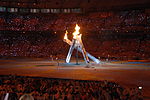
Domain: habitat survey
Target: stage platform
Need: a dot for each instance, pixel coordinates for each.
(126, 73)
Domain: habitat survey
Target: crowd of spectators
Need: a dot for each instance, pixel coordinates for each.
(48, 45)
(64, 89)
(121, 48)
(115, 34)
(120, 21)
(31, 45)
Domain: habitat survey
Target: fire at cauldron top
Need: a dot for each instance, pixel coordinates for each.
(76, 33)
(77, 44)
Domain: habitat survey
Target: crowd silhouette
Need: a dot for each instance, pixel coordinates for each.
(64, 89)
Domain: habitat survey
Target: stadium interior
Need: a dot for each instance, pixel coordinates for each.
(113, 31)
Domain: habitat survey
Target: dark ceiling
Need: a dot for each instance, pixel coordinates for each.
(75, 3)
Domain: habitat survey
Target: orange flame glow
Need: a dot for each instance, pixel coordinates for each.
(66, 37)
(76, 33)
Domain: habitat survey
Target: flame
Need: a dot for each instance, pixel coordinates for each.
(66, 37)
(76, 33)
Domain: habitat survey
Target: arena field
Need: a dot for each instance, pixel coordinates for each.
(127, 73)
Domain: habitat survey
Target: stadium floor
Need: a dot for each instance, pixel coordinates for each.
(126, 73)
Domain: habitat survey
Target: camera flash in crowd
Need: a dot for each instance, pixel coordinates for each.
(140, 87)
